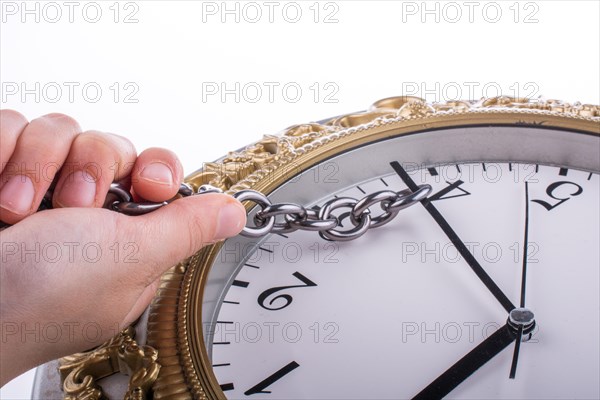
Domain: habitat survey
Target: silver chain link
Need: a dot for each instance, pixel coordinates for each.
(281, 218)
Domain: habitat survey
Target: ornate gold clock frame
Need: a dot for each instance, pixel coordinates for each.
(175, 363)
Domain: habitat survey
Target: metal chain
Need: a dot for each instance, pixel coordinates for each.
(281, 218)
(321, 219)
(284, 218)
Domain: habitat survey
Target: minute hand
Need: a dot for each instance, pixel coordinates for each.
(458, 243)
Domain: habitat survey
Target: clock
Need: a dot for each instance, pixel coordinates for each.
(485, 287)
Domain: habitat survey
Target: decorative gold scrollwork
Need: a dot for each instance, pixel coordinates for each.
(237, 166)
(80, 372)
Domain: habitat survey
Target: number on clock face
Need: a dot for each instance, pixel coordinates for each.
(306, 318)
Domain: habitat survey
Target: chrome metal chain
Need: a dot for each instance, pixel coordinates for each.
(284, 218)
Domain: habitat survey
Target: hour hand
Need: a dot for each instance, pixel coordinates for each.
(470, 363)
(260, 387)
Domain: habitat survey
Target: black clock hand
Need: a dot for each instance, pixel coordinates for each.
(525, 246)
(458, 243)
(470, 363)
(513, 367)
(260, 387)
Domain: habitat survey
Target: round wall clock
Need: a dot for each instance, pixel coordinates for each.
(413, 250)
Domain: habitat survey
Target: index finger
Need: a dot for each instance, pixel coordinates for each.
(12, 124)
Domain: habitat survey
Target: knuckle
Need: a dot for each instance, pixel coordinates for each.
(52, 132)
(63, 121)
(127, 146)
(116, 151)
(93, 144)
(8, 116)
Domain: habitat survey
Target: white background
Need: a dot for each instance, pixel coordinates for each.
(166, 55)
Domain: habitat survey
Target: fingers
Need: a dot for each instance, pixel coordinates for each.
(177, 231)
(11, 125)
(32, 154)
(157, 174)
(95, 160)
(39, 153)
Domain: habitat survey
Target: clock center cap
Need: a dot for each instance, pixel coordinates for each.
(522, 317)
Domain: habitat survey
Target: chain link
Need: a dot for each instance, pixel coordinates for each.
(281, 218)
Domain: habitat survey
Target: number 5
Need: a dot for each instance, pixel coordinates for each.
(550, 192)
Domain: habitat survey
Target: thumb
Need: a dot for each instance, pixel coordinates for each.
(178, 230)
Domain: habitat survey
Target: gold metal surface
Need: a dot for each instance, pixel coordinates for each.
(175, 327)
(79, 372)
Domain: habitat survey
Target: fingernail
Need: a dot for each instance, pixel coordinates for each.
(231, 220)
(157, 173)
(17, 195)
(79, 190)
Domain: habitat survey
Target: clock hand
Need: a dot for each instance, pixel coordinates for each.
(458, 243)
(470, 363)
(525, 246)
(513, 367)
(260, 387)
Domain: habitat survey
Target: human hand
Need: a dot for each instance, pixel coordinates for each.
(73, 276)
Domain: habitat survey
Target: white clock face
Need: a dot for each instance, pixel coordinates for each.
(385, 315)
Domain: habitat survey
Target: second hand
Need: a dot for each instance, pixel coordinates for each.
(522, 318)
